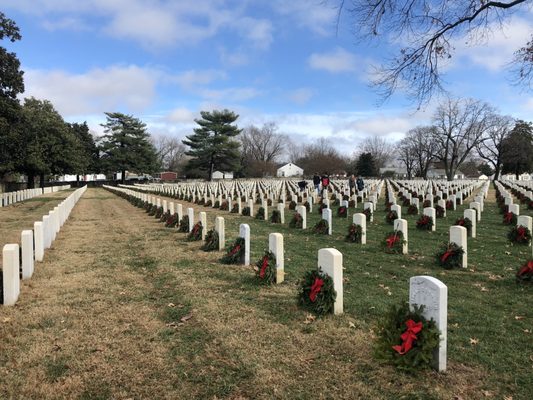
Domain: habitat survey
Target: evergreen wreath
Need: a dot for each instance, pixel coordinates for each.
(224, 206)
(234, 253)
(525, 273)
(321, 227)
(352, 204)
(235, 209)
(316, 292)
(260, 213)
(412, 210)
(342, 212)
(390, 217)
(171, 221)
(152, 210)
(426, 203)
(269, 202)
(449, 205)
(147, 206)
(368, 214)
(336, 202)
(275, 218)
(184, 224)
(509, 218)
(246, 211)
(292, 205)
(519, 234)
(411, 349)
(164, 217)
(465, 222)
(296, 221)
(211, 241)
(394, 242)
(355, 233)
(388, 205)
(425, 222)
(217, 204)
(307, 206)
(530, 205)
(208, 203)
(200, 202)
(196, 232)
(158, 212)
(265, 268)
(406, 202)
(439, 211)
(450, 256)
(323, 206)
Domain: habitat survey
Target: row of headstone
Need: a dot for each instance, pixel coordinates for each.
(26, 194)
(32, 246)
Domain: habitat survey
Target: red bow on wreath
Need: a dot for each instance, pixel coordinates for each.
(461, 222)
(263, 267)
(526, 269)
(391, 241)
(508, 217)
(521, 233)
(409, 336)
(315, 289)
(445, 256)
(235, 250)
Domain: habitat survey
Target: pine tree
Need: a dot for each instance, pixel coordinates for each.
(518, 149)
(212, 145)
(366, 165)
(126, 146)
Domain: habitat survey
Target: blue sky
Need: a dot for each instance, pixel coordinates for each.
(281, 61)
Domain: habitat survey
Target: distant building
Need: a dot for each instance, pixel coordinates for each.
(83, 178)
(483, 177)
(222, 175)
(437, 173)
(397, 172)
(168, 176)
(289, 170)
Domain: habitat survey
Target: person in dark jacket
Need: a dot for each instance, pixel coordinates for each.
(316, 182)
(360, 183)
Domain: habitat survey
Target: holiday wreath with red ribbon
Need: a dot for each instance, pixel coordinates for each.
(275, 218)
(265, 268)
(406, 339)
(321, 227)
(184, 224)
(211, 241)
(355, 233)
(450, 256)
(412, 210)
(171, 221)
(440, 211)
(519, 234)
(316, 292)
(368, 214)
(195, 233)
(296, 221)
(342, 212)
(390, 217)
(234, 253)
(425, 222)
(394, 242)
(465, 222)
(525, 272)
(509, 218)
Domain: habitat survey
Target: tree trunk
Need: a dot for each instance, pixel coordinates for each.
(41, 177)
(31, 181)
(77, 180)
(497, 172)
(123, 177)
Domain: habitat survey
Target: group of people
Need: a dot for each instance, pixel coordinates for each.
(322, 182)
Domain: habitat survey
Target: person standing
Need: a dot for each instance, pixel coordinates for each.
(325, 181)
(316, 182)
(360, 183)
(351, 184)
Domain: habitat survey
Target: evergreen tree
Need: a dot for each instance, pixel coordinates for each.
(126, 146)
(88, 154)
(366, 166)
(212, 145)
(518, 149)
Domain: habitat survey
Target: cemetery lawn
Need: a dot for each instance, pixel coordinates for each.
(123, 308)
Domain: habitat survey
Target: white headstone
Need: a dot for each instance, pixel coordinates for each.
(275, 245)
(330, 261)
(369, 205)
(38, 234)
(26, 240)
(203, 221)
(360, 219)
(190, 213)
(433, 295)
(219, 228)
(398, 209)
(10, 271)
(514, 208)
(471, 215)
(281, 209)
(401, 225)
(458, 236)
(326, 214)
(303, 212)
(476, 206)
(244, 232)
(251, 207)
(526, 221)
(431, 212)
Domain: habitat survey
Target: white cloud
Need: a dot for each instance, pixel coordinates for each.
(180, 115)
(236, 58)
(128, 88)
(314, 15)
(301, 96)
(230, 94)
(338, 60)
(192, 78)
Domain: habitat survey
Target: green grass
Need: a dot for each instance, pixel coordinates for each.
(485, 303)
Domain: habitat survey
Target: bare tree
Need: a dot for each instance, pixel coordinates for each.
(380, 149)
(322, 157)
(423, 147)
(460, 127)
(261, 148)
(171, 152)
(407, 156)
(428, 28)
(492, 148)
